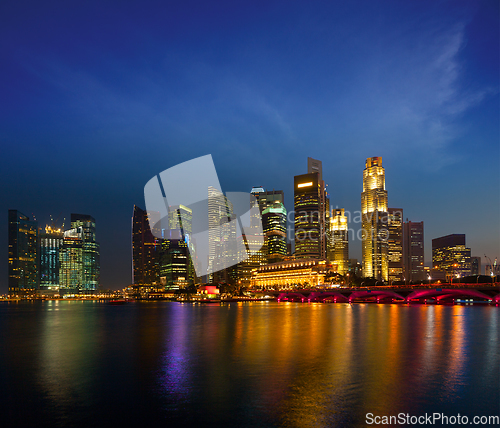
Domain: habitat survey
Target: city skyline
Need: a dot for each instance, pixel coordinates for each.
(85, 125)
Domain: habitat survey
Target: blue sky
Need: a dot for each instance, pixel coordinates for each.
(97, 97)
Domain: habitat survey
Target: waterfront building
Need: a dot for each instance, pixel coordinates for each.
(395, 244)
(90, 251)
(449, 254)
(222, 250)
(71, 262)
(175, 266)
(22, 256)
(413, 251)
(310, 202)
(338, 242)
(291, 274)
(145, 248)
(374, 221)
(274, 228)
(51, 242)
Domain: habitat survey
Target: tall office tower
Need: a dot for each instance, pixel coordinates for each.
(475, 265)
(176, 268)
(310, 213)
(50, 244)
(90, 251)
(23, 261)
(222, 248)
(374, 221)
(274, 227)
(316, 166)
(145, 247)
(395, 244)
(450, 255)
(71, 261)
(339, 240)
(413, 251)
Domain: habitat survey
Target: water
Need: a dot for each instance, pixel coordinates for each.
(90, 364)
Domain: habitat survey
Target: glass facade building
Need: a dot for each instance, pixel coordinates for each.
(450, 255)
(274, 227)
(374, 221)
(22, 254)
(308, 217)
(90, 251)
(51, 242)
(145, 248)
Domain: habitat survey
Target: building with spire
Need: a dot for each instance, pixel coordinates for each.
(374, 221)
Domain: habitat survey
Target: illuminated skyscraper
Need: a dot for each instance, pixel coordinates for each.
(176, 268)
(222, 237)
(395, 244)
(413, 251)
(274, 227)
(339, 240)
(310, 204)
(91, 251)
(145, 248)
(374, 220)
(50, 244)
(71, 262)
(23, 261)
(450, 255)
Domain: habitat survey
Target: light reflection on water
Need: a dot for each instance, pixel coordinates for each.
(252, 364)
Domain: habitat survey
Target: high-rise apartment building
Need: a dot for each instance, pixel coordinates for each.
(338, 245)
(413, 251)
(23, 257)
(51, 242)
(450, 255)
(374, 221)
(145, 248)
(395, 244)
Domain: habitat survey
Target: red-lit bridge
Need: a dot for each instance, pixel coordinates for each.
(442, 293)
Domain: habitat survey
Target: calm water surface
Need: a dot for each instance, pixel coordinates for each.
(89, 364)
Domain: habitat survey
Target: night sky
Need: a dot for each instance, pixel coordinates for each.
(97, 97)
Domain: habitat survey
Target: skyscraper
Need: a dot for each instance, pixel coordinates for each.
(449, 254)
(395, 244)
(374, 221)
(71, 262)
(23, 260)
(339, 240)
(222, 237)
(413, 250)
(145, 248)
(274, 227)
(51, 242)
(176, 268)
(91, 277)
(310, 204)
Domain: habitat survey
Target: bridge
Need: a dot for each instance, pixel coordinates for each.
(434, 293)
